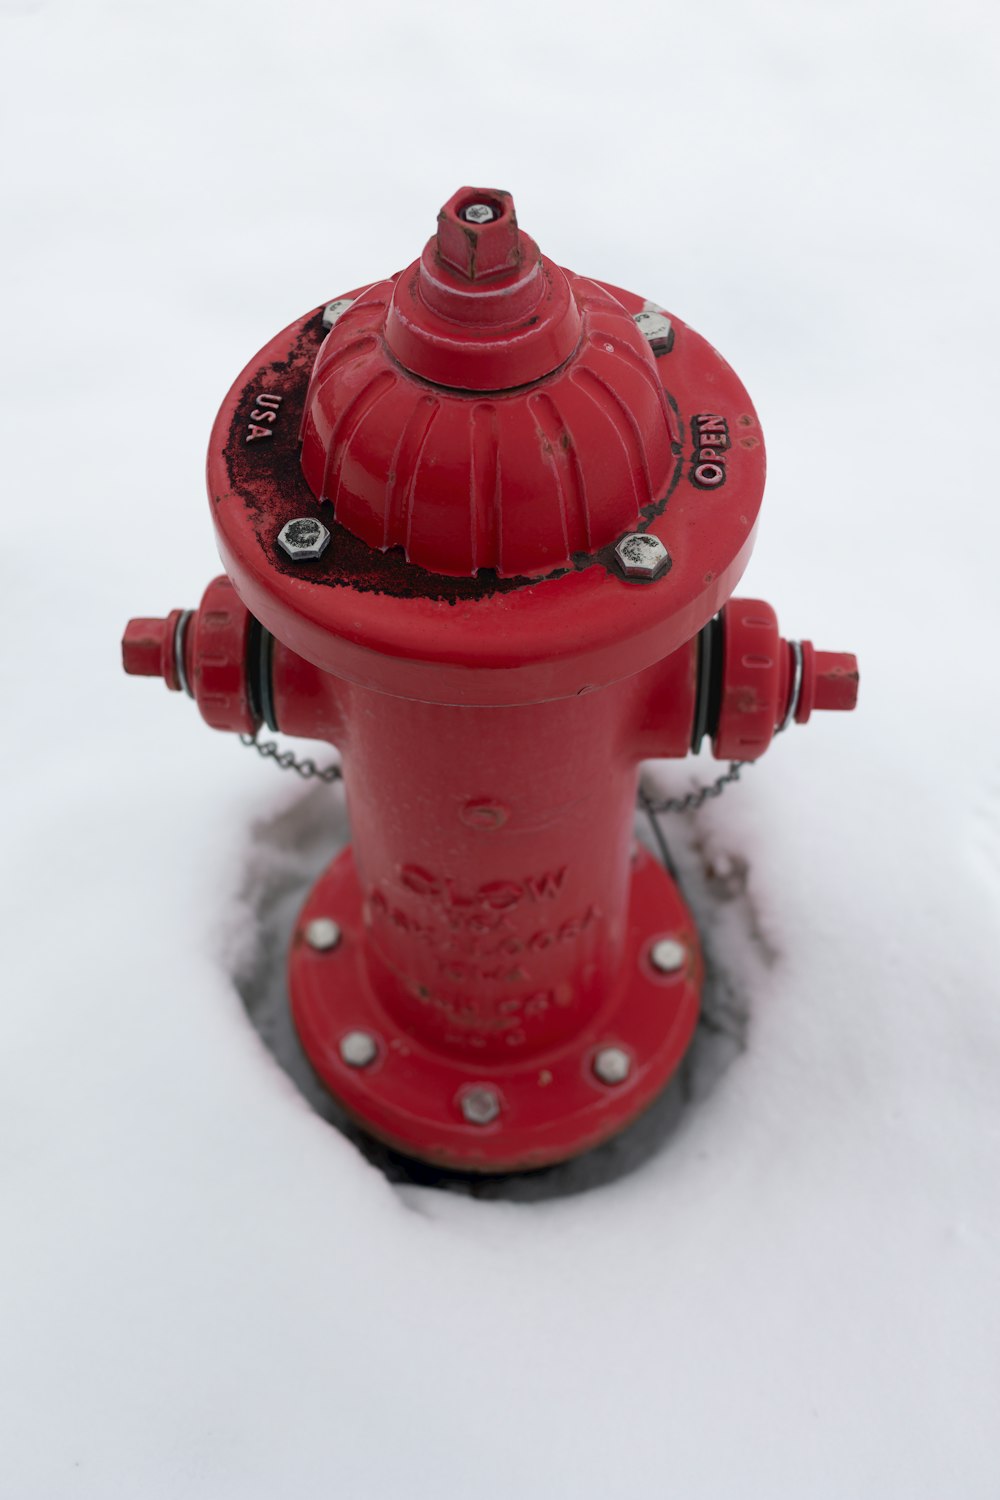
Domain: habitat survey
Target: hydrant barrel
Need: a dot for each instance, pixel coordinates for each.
(493, 847)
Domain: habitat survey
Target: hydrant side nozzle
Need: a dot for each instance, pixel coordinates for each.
(223, 655)
(215, 653)
(767, 682)
(751, 682)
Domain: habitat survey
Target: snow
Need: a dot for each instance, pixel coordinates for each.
(207, 1291)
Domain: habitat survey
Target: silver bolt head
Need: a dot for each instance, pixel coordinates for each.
(612, 1065)
(334, 310)
(641, 555)
(323, 933)
(480, 1105)
(479, 213)
(655, 327)
(358, 1049)
(303, 539)
(668, 955)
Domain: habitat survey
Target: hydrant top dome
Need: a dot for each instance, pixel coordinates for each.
(485, 408)
(485, 479)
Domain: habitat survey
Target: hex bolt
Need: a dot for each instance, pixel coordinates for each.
(667, 955)
(656, 328)
(641, 555)
(334, 310)
(358, 1049)
(323, 933)
(479, 213)
(612, 1065)
(303, 539)
(480, 1105)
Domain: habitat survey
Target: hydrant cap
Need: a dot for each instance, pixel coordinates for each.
(486, 409)
(482, 309)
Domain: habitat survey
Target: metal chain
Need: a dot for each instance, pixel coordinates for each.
(693, 800)
(287, 760)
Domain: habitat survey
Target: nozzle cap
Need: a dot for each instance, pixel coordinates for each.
(829, 681)
(148, 649)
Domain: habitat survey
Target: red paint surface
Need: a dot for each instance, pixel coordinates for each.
(491, 679)
(493, 847)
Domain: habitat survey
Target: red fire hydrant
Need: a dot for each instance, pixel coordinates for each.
(481, 522)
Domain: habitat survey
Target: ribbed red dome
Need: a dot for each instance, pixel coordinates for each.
(530, 424)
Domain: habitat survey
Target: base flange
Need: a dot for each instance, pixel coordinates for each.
(553, 1105)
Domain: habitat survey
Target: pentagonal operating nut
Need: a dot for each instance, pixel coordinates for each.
(640, 555)
(303, 539)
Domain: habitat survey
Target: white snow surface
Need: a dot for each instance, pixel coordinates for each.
(206, 1290)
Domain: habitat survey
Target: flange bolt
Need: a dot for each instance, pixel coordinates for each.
(334, 311)
(667, 955)
(640, 555)
(358, 1049)
(656, 329)
(323, 933)
(480, 1105)
(612, 1065)
(303, 539)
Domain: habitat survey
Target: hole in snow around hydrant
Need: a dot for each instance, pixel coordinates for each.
(288, 852)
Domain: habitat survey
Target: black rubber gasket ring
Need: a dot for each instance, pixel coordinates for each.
(715, 674)
(266, 680)
(260, 663)
(709, 682)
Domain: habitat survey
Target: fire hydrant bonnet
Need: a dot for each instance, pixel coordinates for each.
(440, 498)
(503, 414)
